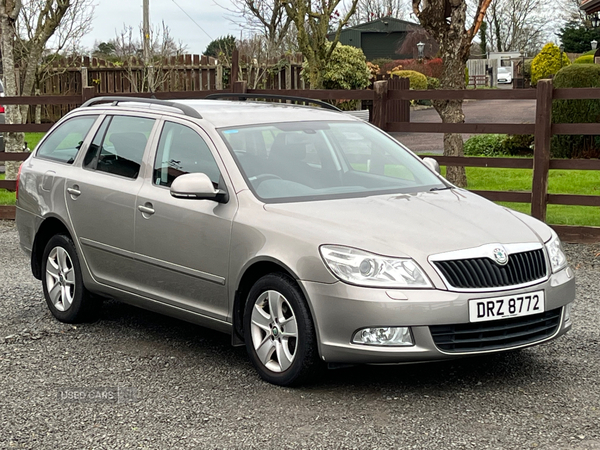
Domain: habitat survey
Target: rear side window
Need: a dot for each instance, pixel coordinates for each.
(119, 145)
(64, 142)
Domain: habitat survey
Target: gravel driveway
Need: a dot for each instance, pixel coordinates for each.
(152, 382)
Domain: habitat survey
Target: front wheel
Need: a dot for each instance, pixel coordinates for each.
(66, 296)
(279, 332)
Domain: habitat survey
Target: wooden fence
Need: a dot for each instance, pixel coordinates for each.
(175, 74)
(390, 112)
(541, 163)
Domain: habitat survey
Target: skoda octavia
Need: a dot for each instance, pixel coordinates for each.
(308, 235)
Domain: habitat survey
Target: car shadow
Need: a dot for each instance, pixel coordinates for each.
(147, 332)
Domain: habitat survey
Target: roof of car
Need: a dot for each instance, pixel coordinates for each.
(228, 113)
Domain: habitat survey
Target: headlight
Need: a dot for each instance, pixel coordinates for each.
(558, 260)
(367, 269)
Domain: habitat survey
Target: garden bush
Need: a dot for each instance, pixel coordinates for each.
(433, 83)
(485, 145)
(576, 111)
(518, 144)
(346, 69)
(417, 80)
(584, 59)
(382, 63)
(429, 67)
(548, 62)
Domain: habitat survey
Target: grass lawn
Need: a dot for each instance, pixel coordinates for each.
(6, 197)
(586, 182)
(32, 139)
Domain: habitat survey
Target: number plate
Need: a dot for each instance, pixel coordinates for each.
(496, 308)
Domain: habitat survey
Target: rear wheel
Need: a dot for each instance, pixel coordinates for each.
(66, 296)
(279, 332)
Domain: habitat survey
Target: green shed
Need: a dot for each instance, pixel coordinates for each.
(381, 38)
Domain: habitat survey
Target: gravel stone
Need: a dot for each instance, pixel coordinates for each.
(150, 382)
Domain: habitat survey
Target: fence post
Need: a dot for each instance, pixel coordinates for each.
(541, 154)
(239, 87)
(380, 89)
(219, 78)
(235, 67)
(87, 93)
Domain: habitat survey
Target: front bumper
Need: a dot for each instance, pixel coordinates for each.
(340, 310)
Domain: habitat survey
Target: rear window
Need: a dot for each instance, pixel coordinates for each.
(64, 142)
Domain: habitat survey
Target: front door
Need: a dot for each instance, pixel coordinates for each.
(182, 245)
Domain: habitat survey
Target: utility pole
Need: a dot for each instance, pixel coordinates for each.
(146, 50)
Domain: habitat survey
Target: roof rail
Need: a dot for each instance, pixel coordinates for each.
(244, 96)
(187, 110)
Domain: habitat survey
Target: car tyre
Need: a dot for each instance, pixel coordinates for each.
(66, 296)
(279, 332)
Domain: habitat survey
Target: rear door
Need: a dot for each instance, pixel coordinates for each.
(101, 197)
(182, 245)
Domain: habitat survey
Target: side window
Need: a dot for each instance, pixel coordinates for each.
(181, 150)
(64, 142)
(119, 145)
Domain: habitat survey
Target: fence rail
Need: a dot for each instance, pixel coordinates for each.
(390, 111)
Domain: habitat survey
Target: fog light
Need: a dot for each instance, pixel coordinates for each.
(384, 336)
(568, 314)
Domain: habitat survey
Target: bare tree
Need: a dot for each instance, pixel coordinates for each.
(272, 34)
(314, 20)
(265, 18)
(368, 10)
(572, 11)
(47, 18)
(519, 25)
(163, 49)
(446, 21)
(65, 41)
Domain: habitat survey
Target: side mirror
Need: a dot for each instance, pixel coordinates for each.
(433, 165)
(197, 186)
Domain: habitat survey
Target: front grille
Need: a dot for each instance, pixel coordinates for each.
(477, 273)
(495, 334)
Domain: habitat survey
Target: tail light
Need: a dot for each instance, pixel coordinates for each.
(1, 109)
(18, 179)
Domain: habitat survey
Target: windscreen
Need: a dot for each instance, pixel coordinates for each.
(313, 160)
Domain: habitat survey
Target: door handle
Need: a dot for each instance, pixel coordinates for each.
(74, 191)
(146, 209)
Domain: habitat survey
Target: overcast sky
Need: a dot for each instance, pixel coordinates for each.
(111, 15)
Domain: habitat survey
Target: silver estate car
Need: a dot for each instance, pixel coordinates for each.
(308, 235)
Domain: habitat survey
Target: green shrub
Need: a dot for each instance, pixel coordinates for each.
(548, 62)
(433, 83)
(527, 71)
(589, 52)
(585, 59)
(518, 144)
(485, 145)
(417, 80)
(576, 111)
(382, 62)
(346, 69)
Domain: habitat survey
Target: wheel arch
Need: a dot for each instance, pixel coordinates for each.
(51, 226)
(252, 273)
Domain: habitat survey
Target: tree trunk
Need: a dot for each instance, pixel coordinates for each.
(450, 111)
(13, 142)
